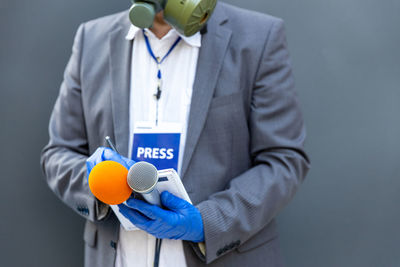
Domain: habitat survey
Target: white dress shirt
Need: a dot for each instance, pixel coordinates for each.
(136, 248)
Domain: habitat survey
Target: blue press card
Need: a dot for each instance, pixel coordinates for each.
(159, 149)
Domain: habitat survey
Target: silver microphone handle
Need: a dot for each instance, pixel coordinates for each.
(153, 197)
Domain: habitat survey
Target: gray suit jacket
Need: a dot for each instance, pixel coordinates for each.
(244, 157)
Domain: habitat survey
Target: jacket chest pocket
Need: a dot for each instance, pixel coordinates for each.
(226, 100)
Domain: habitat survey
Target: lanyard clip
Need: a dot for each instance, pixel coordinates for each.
(157, 95)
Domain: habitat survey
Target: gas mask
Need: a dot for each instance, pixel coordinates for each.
(186, 16)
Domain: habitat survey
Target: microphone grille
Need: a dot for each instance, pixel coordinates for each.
(142, 177)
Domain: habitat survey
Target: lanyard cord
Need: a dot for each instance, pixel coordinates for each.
(158, 61)
(157, 252)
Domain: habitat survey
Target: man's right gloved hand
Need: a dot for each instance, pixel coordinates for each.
(103, 154)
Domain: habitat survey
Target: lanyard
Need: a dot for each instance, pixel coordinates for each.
(159, 61)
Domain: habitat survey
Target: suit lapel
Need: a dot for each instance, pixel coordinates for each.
(120, 66)
(212, 52)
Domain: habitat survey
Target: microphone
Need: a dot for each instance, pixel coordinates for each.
(107, 181)
(143, 178)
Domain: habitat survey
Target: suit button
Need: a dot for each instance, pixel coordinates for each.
(113, 245)
(219, 252)
(83, 210)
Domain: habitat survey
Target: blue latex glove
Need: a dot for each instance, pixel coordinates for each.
(178, 220)
(103, 154)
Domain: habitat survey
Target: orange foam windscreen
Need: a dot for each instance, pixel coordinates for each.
(108, 182)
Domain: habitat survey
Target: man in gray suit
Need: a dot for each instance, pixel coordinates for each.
(243, 159)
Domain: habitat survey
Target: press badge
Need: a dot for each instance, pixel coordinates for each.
(158, 145)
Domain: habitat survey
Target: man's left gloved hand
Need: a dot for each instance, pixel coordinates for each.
(177, 220)
(104, 153)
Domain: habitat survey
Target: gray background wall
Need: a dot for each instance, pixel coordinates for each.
(347, 65)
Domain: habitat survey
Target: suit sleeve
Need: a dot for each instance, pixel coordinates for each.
(279, 163)
(63, 160)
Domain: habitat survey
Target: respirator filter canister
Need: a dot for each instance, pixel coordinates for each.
(186, 16)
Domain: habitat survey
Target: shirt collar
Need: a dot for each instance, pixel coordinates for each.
(194, 40)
